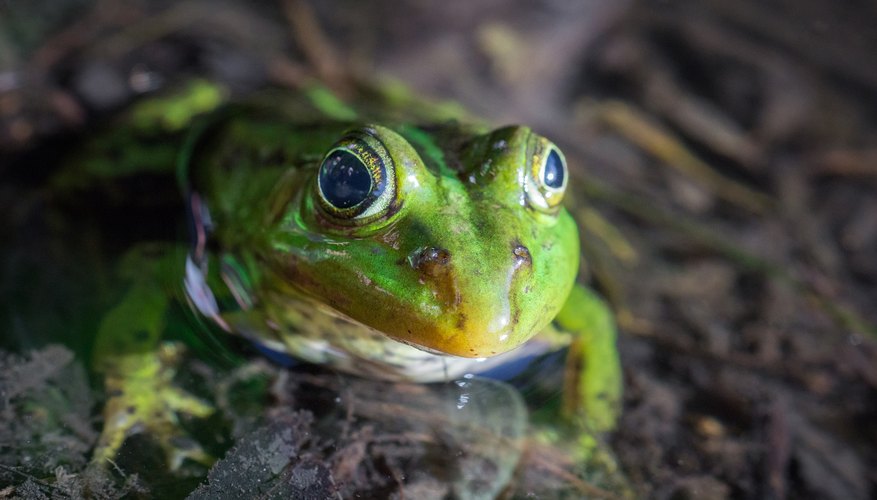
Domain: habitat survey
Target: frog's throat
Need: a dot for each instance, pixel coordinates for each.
(309, 330)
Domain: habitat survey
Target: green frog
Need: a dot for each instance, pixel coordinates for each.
(377, 242)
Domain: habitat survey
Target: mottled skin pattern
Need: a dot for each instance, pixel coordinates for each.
(467, 257)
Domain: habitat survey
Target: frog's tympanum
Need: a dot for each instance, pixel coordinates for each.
(399, 250)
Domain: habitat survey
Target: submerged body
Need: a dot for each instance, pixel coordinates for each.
(391, 250)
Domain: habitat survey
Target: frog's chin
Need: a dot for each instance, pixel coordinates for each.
(389, 338)
(428, 337)
(376, 355)
(426, 349)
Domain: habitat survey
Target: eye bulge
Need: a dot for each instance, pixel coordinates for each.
(356, 180)
(344, 179)
(548, 176)
(554, 173)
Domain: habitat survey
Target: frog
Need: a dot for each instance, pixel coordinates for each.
(378, 242)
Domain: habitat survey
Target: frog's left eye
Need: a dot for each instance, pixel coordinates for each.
(547, 177)
(356, 180)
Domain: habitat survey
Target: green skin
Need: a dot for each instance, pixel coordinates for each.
(468, 256)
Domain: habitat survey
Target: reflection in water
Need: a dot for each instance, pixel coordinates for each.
(418, 439)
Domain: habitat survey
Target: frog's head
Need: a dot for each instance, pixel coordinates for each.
(448, 241)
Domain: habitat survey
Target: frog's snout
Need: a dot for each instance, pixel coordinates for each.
(478, 300)
(435, 262)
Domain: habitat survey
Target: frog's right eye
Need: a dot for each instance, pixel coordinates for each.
(344, 180)
(356, 181)
(546, 181)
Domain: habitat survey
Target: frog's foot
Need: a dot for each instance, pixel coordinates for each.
(142, 398)
(579, 459)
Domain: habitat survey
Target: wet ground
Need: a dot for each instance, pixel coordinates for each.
(724, 163)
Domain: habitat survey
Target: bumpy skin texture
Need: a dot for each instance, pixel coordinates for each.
(459, 262)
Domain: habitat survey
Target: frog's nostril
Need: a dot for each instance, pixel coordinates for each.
(430, 261)
(522, 255)
(434, 266)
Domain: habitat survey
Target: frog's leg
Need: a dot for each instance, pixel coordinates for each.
(592, 390)
(592, 379)
(138, 371)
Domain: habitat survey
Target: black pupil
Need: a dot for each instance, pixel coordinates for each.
(344, 180)
(554, 171)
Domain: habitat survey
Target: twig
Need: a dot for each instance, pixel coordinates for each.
(32, 478)
(317, 49)
(660, 143)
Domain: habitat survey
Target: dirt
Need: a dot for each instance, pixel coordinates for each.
(724, 157)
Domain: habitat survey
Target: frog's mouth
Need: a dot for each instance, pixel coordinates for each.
(357, 348)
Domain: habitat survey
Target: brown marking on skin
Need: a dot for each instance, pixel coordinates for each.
(391, 239)
(394, 207)
(523, 267)
(522, 254)
(461, 321)
(432, 261)
(436, 271)
(516, 316)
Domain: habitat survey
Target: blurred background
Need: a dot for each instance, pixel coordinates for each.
(724, 159)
